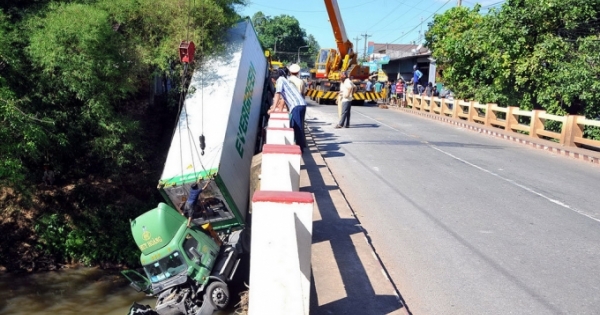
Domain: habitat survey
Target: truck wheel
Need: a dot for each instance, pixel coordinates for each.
(218, 294)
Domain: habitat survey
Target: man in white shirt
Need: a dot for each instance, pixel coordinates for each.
(295, 103)
(295, 79)
(347, 88)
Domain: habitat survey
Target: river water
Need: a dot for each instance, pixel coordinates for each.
(71, 291)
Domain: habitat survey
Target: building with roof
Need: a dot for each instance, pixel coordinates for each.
(402, 57)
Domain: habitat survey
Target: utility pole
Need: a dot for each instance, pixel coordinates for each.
(421, 30)
(357, 39)
(459, 3)
(365, 35)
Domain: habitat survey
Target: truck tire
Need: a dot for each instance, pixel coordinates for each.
(217, 295)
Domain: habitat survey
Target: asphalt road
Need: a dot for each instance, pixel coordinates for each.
(466, 223)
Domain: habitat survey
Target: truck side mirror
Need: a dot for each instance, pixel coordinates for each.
(135, 286)
(195, 253)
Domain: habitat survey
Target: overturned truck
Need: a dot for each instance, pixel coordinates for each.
(188, 268)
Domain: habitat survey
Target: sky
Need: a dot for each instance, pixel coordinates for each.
(384, 21)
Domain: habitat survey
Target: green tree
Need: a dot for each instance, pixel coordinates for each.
(451, 44)
(82, 67)
(75, 83)
(532, 54)
(282, 35)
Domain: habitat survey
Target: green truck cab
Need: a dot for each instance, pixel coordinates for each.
(184, 267)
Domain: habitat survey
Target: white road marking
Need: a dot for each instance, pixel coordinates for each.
(508, 180)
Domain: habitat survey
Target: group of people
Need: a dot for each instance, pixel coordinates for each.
(289, 97)
(397, 90)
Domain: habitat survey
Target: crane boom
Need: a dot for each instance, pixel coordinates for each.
(330, 63)
(344, 45)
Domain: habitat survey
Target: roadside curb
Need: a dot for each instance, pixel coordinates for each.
(549, 146)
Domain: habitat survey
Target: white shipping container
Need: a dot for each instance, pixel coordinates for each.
(225, 102)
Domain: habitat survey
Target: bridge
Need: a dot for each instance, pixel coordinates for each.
(432, 209)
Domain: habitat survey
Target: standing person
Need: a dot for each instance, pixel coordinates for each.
(388, 91)
(394, 98)
(189, 208)
(368, 89)
(400, 92)
(295, 102)
(295, 79)
(378, 87)
(416, 79)
(429, 89)
(347, 88)
(369, 85)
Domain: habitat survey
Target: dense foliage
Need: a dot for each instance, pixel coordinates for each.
(529, 53)
(283, 36)
(76, 96)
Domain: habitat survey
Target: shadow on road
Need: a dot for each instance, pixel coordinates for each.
(329, 149)
(354, 126)
(360, 296)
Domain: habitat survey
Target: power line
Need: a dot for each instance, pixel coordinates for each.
(414, 28)
(396, 18)
(383, 18)
(493, 4)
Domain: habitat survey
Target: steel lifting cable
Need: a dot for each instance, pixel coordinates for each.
(202, 139)
(191, 143)
(177, 118)
(190, 135)
(182, 104)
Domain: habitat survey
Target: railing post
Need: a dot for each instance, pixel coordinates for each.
(510, 117)
(536, 123)
(281, 167)
(284, 289)
(472, 111)
(571, 130)
(455, 108)
(490, 115)
(422, 103)
(443, 106)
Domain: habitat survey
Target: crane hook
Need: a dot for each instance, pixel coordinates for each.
(202, 144)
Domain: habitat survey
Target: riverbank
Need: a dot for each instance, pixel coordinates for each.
(85, 223)
(83, 219)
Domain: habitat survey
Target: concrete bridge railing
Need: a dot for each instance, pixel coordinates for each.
(510, 119)
(280, 268)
